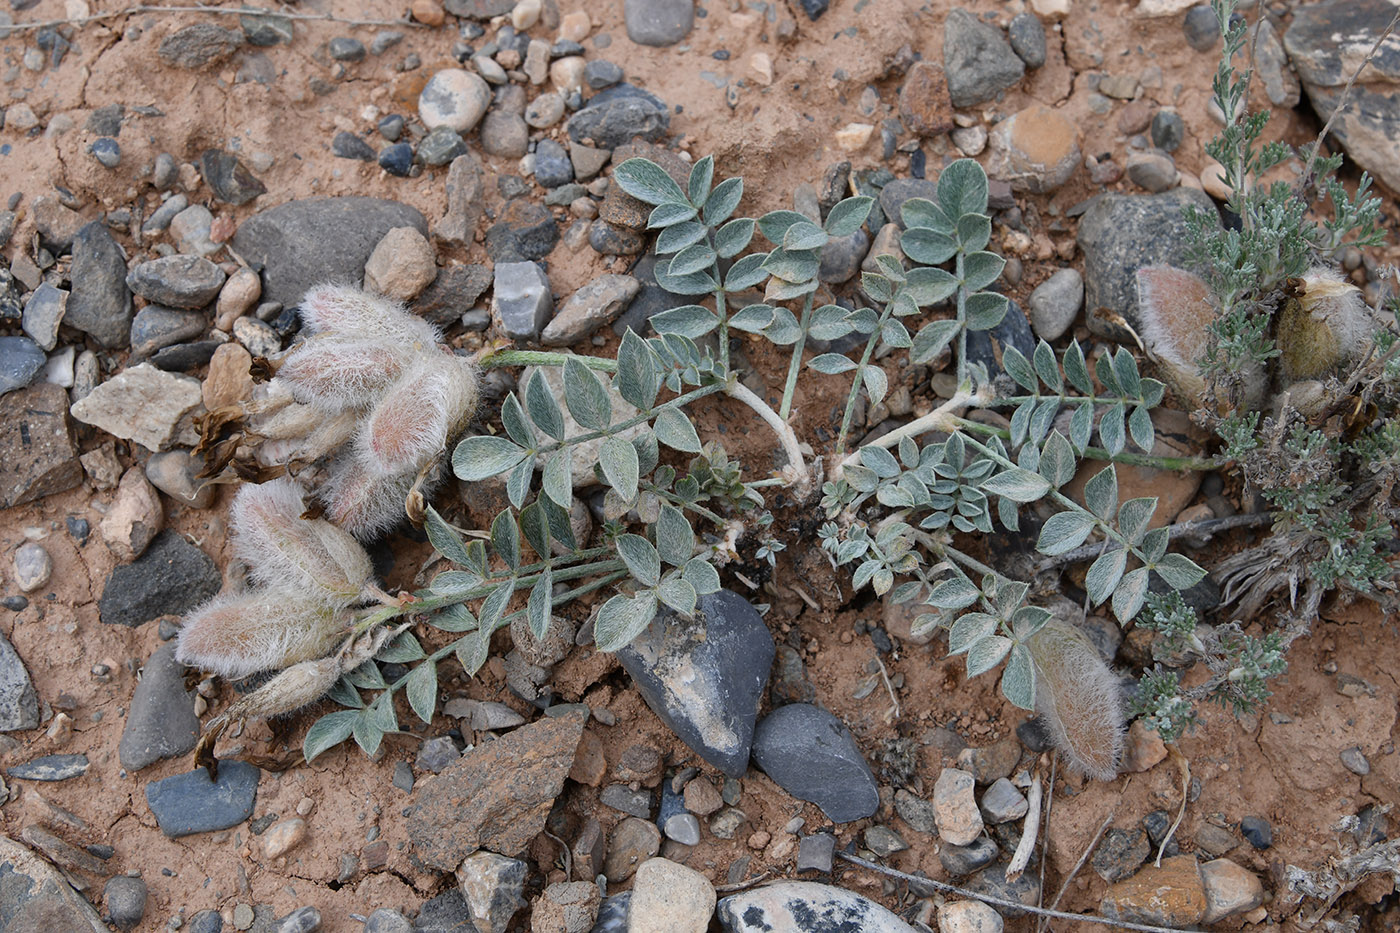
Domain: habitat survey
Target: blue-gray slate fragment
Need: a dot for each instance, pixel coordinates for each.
(35, 896)
(162, 723)
(814, 757)
(806, 906)
(190, 803)
(615, 116)
(612, 915)
(704, 676)
(20, 359)
(50, 768)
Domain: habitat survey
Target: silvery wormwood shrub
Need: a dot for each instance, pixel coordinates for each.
(898, 511)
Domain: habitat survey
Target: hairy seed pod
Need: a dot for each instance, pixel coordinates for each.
(1323, 323)
(299, 685)
(358, 314)
(284, 550)
(415, 419)
(336, 373)
(234, 635)
(1078, 698)
(363, 504)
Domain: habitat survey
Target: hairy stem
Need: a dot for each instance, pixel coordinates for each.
(795, 366)
(962, 319)
(940, 419)
(856, 382)
(1098, 453)
(677, 402)
(498, 359)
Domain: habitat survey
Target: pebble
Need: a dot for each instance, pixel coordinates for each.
(594, 305)
(190, 229)
(206, 921)
(301, 920)
(125, 900)
(622, 798)
(525, 231)
(142, 404)
(962, 861)
(161, 723)
(968, 917)
(617, 115)
(1168, 130)
(231, 181)
(1120, 853)
(19, 704)
(633, 841)
(805, 907)
(1120, 87)
(185, 282)
(1170, 895)
(199, 45)
(20, 359)
(955, 807)
(489, 69)
(258, 336)
(1036, 149)
(174, 472)
(401, 266)
(1230, 890)
(440, 146)
(446, 913)
(346, 49)
(164, 172)
(391, 127)
(816, 852)
(386, 39)
(50, 768)
(611, 240)
(1003, 802)
(453, 98)
(1257, 832)
(545, 111)
(238, 296)
(536, 65)
(242, 917)
(134, 517)
(351, 146)
(841, 257)
(160, 218)
(600, 73)
(385, 920)
(670, 898)
(492, 886)
(1215, 840)
(39, 896)
(397, 159)
(1352, 758)
(915, 811)
(1055, 303)
(155, 327)
(283, 837)
(883, 841)
(566, 74)
(566, 907)
(1152, 170)
(552, 165)
(171, 578)
(1201, 27)
(1027, 35)
(814, 757)
(658, 23)
(1143, 748)
(436, 754)
(106, 150)
(521, 304)
(970, 140)
(683, 828)
(99, 303)
(979, 62)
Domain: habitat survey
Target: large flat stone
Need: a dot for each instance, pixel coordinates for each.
(34, 896)
(37, 457)
(144, 404)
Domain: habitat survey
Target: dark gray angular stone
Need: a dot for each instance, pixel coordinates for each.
(612, 914)
(658, 23)
(125, 899)
(600, 73)
(617, 115)
(50, 768)
(704, 677)
(1257, 832)
(611, 240)
(977, 60)
(229, 178)
(815, 852)
(894, 194)
(20, 359)
(842, 256)
(964, 860)
(552, 165)
(161, 723)
(1121, 233)
(349, 146)
(346, 49)
(99, 303)
(11, 307)
(522, 304)
(1168, 130)
(652, 299)
(1027, 35)
(987, 346)
(302, 243)
(814, 8)
(106, 150)
(814, 757)
(455, 290)
(1120, 853)
(35, 896)
(183, 357)
(385, 920)
(301, 920)
(397, 159)
(206, 921)
(177, 281)
(525, 231)
(171, 578)
(189, 802)
(992, 880)
(446, 913)
(440, 146)
(623, 799)
(198, 45)
(19, 704)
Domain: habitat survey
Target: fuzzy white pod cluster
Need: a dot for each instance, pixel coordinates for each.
(1078, 698)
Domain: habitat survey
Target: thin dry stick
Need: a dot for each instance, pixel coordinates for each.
(994, 901)
(885, 675)
(1084, 857)
(1044, 850)
(1029, 830)
(212, 10)
(1342, 100)
(1185, 768)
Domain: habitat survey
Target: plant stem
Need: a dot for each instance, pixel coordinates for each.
(722, 312)
(857, 380)
(681, 503)
(677, 402)
(795, 366)
(962, 319)
(1098, 453)
(940, 419)
(737, 390)
(497, 359)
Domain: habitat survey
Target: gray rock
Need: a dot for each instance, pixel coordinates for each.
(162, 216)
(612, 914)
(440, 146)
(20, 359)
(190, 230)
(189, 802)
(658, 23)
(622, 798)
(106, 151)
(36, 896)
(814, 757)
(37, 456)
(206, 921)
(992, 880)
(397, 159)
(266, 29)
(436, 754)
(805, 907)
(1152, 170)
(171, 578)
(617, 115)
(155, 327)
(841, 257)
(301, 920)
(50, 768)
(1121, 233)
(592, 306)
(1003, 802)
(125, 899)
(162, 723)
(915, 811)
(1354, 760)
(815, 852)
(978, 61)
(229, 178)
(600, 73)
(1055, 303)
(302, 243)
(1257, 832)
(883, 841)
(11, 308)
(1201, 27)
(33, 566)
(165, 172)
(545, 111)
(1027, 35)
(446, 913)
(57, 224)
(350, 146)
(704, 677)
(552, 165)
(1168, 130)
(609, 239)
(960, 861)
(385, 920)
(985, 346)
(454, 98)
(505, 134)
(651, 299)
(19, 704)
(525, 230)
(478, 9)
(894, 194)
(99, 303)
(346, 49)
(492, 886)
(1271, 66)
(521, 303)
(1323, 43)
(143, 404)
(384, 40)
(683, 828)
(7, 226)
(464, 200)
(456, 287)
(1120, 853)
(199, 45)
(814, 8)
